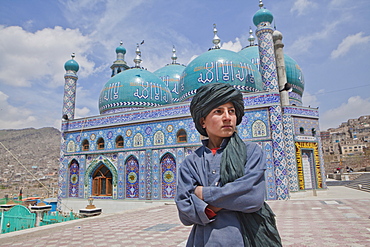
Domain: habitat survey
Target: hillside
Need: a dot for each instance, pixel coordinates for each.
(38, 150)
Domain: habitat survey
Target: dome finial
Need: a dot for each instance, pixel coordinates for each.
(137, 59)
(174, 57)
(216, 39)
(260, 4)
(251, 37)
(73, 55)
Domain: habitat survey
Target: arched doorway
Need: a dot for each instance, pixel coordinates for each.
(74, 177)
(132, 177)
(168, 165)
(102, 181)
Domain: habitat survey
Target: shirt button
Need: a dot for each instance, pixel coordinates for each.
(213, 171)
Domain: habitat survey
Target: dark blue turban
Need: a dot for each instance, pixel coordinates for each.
(212, 95)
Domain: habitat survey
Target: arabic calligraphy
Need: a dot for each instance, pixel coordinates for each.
(226, 71)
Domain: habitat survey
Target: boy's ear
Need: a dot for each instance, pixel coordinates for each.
(202, 122)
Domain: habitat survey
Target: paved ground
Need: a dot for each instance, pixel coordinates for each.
(338, 216)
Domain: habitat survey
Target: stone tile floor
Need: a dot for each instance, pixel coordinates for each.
(301, 222)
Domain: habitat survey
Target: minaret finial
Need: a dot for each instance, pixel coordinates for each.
(137, 59)
(251, 37)
(260, 4)
(216, 39)
(174, 57)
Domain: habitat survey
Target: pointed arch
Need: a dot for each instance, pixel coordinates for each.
(168, 171)
(132, 177)
(74, 178)
(259, 129)
(94, 167)
(181, 136)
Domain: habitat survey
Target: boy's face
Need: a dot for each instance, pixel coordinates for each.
(220, 122)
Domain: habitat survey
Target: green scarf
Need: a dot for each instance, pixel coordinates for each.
(258, 228)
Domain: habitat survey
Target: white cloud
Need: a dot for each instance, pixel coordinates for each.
(304, 43)
(349, 42)
(353, 108)
(29, 57)
(13, 117)
(310, 100)
(232, 46)
(302, 6)
(82, 112)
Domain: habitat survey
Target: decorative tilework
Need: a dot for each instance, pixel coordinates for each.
(69, 95)
(267, 57)
(308, 125)
(269, 173)
(290, 153)
(282, 192)
(309, 112)
(142, 176)
(245, 128)
(74, 178)
(148, 161)
(132, 177)
(169, 179)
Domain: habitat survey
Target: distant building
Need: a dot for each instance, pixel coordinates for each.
(133, 149)
(344, 146)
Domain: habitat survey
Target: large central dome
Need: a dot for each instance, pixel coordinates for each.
(219, 65)
(131, 89)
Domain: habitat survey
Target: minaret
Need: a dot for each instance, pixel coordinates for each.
(284, 87)
(263, 19)
(69, 99)
(120, 64)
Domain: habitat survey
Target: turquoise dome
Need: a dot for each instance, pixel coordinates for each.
(294, 75)
(170, 75)
(71, 65)
(220, 65)
(262, 15)
(121, 49)
(133, 88)
(293, 71)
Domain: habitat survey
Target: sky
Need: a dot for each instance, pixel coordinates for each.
(329, 39)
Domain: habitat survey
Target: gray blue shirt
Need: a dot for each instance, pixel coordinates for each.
(245, 194)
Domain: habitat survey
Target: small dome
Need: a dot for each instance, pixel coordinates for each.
(121, 49)
(220, 65)
(71, 65)
(262, 15)
(170, 75)
(131, 89)
(293, 72)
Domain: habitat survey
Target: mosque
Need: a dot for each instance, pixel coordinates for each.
(133, 149)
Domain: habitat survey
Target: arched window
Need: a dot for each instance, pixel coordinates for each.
(74, 177)
(102, 182)
(119, 142)
(85, 145)
(100, 143)
(138, 140)
(313, 131)
(182, 136)
(259, 129)
(159, 138)
(301, 130)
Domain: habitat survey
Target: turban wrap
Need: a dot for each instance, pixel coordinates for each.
(209, 97)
